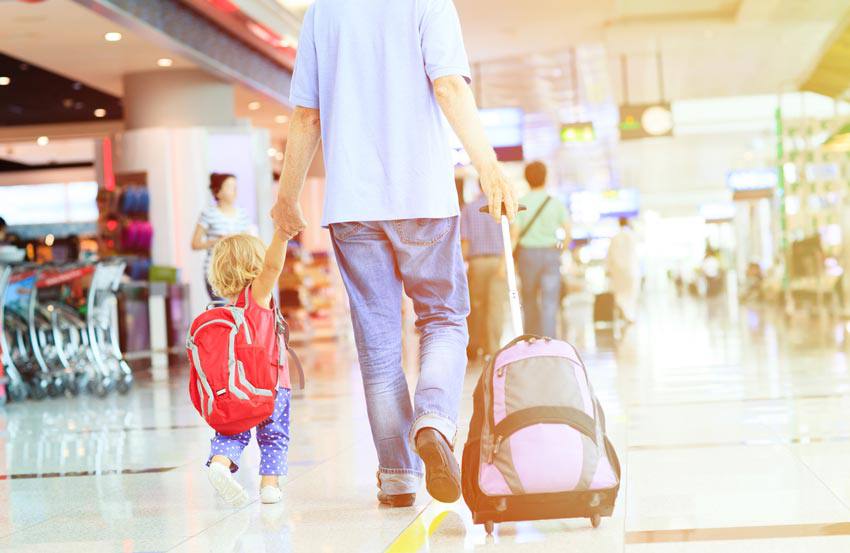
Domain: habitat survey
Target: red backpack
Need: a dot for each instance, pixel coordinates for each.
(233, 378)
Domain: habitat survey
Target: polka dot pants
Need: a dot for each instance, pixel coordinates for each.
(272, 437)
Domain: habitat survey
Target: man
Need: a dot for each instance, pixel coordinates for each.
(371, 79)
(623, 266)
(537, 234)
(483, 247)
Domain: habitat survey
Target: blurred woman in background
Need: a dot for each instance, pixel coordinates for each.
(219, 220)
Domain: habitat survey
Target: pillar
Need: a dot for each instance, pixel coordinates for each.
(181, 127)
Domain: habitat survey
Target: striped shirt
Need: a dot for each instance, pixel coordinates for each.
(480, 230)
(217, 224)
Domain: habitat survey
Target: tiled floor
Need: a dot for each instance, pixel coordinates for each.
(732, 425)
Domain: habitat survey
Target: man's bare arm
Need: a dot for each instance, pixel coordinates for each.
(458, 104)
(305, 131)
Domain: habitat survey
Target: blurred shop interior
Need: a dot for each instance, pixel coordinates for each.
(113, 115)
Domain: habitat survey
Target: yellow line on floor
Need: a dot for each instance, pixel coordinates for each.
(415, 537)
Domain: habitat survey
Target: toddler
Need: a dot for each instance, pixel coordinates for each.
(238, 263)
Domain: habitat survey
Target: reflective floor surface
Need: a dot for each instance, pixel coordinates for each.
(732, 425)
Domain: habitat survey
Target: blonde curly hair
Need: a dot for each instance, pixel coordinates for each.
(236, 261)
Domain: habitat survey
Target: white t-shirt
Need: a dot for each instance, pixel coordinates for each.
(217, 224)
(368, 66)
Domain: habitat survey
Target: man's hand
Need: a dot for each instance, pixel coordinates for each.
(288, 217)
(498, 190)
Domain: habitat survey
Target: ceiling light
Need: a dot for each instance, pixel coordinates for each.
(4, 81)
(281, 119)
(165, 62)
(254, 106)
(112, 36)
(42, 141)
(100, 112)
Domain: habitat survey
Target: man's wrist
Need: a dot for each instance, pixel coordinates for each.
(488, 164)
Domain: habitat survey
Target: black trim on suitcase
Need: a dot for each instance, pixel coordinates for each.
(523, 418)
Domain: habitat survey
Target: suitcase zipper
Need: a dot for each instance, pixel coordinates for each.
(495, 450)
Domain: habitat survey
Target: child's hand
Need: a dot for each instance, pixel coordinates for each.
(288, 217)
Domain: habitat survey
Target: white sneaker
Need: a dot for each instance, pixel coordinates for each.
(271, 494)
(227, 487)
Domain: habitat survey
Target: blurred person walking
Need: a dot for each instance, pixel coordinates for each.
(392, 209)
(219, 220)
(484, 250)
(536, 234)
(623, 266)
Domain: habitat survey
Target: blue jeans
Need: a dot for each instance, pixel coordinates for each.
(272, 437)
(540, 272)
(424, 256)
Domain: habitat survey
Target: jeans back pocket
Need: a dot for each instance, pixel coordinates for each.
(423, 232)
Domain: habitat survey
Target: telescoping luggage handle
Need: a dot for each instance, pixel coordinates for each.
(510, 270)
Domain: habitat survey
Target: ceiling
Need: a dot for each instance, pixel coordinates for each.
(66, 151)
(37, 96)
(707, 47)
(32, 31)
(68, 39)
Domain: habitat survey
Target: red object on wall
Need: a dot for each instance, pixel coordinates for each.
(108, 168)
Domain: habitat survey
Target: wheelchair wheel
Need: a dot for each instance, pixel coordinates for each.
(124, 384)
(102, 386)
(38, 389)
(18, 391)
(72, 385)
(56, 386)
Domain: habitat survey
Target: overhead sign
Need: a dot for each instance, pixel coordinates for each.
(645, 121)
(752, 184)
(578, 133)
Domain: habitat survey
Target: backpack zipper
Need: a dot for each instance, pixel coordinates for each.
(495, 450)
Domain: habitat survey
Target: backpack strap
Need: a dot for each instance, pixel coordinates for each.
(282, 329)
(244, 299)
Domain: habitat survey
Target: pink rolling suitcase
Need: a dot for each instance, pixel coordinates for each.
(537, 447)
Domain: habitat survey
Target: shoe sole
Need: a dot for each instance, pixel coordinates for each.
(228, 487)
(265, 500)
(401, 500)
(442, 478)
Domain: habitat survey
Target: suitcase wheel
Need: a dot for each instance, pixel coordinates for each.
(489, 526)
(596, 520)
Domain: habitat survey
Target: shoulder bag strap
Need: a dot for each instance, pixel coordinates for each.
(531, 223)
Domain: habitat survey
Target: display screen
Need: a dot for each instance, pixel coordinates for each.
(504, 128)
(41, 204)
(588, 206)
(751, 179)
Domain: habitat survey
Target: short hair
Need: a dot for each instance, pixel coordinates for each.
(236, 261)
(535, 174)
(2, 223)
(217, 182)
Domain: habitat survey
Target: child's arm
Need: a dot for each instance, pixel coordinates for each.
(265, 283)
